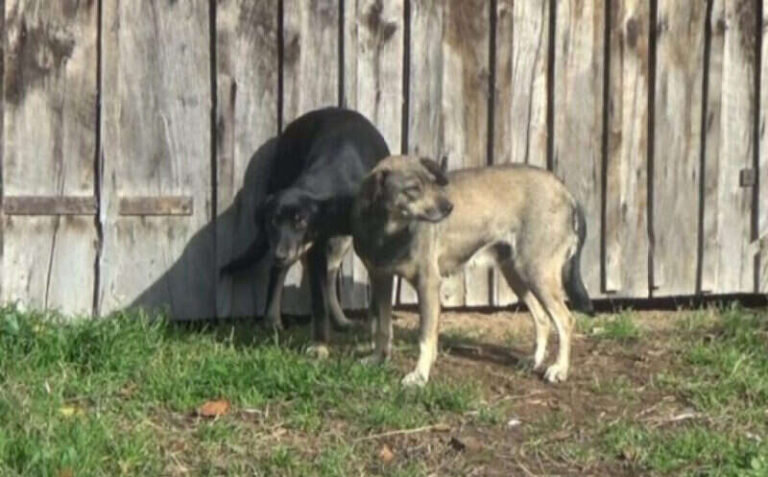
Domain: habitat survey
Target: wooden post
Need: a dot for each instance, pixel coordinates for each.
(578, 117)
(373, 85)
(728, 267)
(449, 84)
(520, 112)
(157, 143)
(48, 149)
(626, 226)
(246, 128)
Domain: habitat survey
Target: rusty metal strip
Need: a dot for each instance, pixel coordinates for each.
(158, 206)
(49, 205)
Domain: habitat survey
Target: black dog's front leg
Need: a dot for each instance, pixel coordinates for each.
(275, 296)
(317, 264)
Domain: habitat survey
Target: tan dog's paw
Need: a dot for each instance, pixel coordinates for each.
(319, 352)
(414, 379)
(556, 374)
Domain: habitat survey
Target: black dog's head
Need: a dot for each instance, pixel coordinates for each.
(288, 218)
(408, 189)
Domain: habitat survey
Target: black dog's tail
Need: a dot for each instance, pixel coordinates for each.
(574, 286)
(255, 252)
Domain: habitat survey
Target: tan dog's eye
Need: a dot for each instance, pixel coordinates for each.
(412, 192)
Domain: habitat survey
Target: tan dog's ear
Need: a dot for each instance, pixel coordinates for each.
(437, 170)
(377, 187)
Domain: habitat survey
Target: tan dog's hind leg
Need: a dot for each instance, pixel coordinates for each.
(540, 318)
(551, 296)
(429, 316)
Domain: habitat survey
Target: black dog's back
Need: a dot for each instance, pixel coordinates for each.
(317, 136)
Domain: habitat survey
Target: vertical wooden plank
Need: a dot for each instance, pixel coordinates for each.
(373, 85)
(449, 84)
(520, 112)
(247, 89)
(763, 138)
(731, 101)
(578, 116)
(677, 142)
(311, 80)
(626, 226)
(157, 142)
(49, 147)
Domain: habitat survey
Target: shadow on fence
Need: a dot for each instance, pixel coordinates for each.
(242, 295)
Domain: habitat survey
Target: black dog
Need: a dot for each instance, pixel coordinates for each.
(322, 158)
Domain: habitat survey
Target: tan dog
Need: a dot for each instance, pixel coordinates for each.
(413, 220)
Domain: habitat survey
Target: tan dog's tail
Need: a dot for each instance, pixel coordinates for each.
(572, 282)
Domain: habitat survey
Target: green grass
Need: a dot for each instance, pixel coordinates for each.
(117, 397)
(721, 373)
(620, 327)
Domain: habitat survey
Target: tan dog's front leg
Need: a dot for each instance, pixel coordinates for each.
(381, 318)
(429, 311)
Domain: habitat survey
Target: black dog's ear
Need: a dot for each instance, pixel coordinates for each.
(437, 170)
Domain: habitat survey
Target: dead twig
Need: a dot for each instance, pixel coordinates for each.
(403, 432)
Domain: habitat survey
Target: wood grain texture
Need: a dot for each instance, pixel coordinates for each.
(578, 110)
(763, 163)
(157, 142)
(246, 120)
(373, 85)
(311, 81)
(728, 267)
(677, 143)
(626, 222)
(520, 111)
(49, 146)
(449, 86)
(49, 205)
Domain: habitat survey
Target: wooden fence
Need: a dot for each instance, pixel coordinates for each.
(135, 132)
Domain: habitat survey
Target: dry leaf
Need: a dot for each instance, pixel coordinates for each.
(66, 472)
(386, 455)
(213, 408)
(70, 411)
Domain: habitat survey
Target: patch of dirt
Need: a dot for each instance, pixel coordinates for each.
(609, 381)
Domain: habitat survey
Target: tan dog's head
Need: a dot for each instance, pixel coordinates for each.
(409, 189)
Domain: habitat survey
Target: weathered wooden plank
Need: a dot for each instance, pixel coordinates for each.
(145, 206)
(49, 147)
(373, 85)
(677, 142)
(448, 112)
(763, 163)
(247, 119)
(578, 112)
(520, 112)
(51, 205)
(728, 267)
(157, 142)
(626, 223)
(311, 80)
